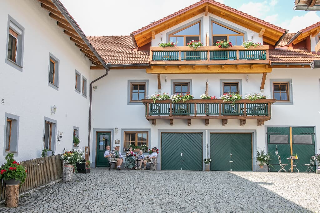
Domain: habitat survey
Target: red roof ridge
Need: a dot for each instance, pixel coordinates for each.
(223, 6)
(310, 27)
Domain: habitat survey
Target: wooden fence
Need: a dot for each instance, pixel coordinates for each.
(40, 171)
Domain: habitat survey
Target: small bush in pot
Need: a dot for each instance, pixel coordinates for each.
(12, 170)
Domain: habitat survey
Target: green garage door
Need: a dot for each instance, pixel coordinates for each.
(222, 145)
(303, 145)
(181, 151)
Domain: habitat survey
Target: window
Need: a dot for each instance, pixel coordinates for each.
(84, 86)
(138, 92)
(50, 134)
(181, 88)
(78, 81)
(281, 91)
(135, 138)
(220, 32)
(14, 44)
(53, 72)
(11, 133)
(186, 34)
(231, 88)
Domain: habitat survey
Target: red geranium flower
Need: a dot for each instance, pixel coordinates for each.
(26, 170)
(14, 162)
(3, 171)
(11, 168)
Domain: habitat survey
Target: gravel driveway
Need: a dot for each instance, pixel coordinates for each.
(177, 191)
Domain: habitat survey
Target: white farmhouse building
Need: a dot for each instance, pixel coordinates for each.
(127, 70)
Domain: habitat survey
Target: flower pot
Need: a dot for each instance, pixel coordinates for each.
(12, 193)
(49, 153)
(67, 172)
(12, 182)
(207, 167)
(261, 166)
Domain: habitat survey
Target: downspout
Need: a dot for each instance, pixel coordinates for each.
(90, 105)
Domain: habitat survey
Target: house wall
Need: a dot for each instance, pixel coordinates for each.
(303, 112)
(205, 28)
(26, 93)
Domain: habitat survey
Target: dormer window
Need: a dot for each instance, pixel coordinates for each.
(220, 32)
(186, 34)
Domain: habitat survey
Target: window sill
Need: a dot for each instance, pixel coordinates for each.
(83, 95)
(53, 86)
(135, 103)
(14, 64)
(77, 91)
(283, 103)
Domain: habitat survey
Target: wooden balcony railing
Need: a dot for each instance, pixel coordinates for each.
(209, 109)
(209, 55)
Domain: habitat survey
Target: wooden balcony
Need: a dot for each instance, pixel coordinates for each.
(209, 55)
(317, 47)
(209, 109)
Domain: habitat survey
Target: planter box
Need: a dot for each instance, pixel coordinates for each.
(49, 153)
(263, 169)
(85, 171)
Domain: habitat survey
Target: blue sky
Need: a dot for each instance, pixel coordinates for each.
(107, 17)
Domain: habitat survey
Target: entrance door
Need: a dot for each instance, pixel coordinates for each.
(181, 151)
(103, 139)
(231, 151)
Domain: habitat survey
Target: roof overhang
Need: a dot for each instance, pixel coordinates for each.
(307, 5)
(271, 33)
(301, 35)
(64, 20)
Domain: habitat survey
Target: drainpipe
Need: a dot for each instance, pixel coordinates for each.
(90, 105)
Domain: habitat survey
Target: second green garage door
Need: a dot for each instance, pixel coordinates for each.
(222, 145)
(181, 151)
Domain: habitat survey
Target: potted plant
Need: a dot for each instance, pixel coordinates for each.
(194, 44)
(12, 174)
(76, 141)
(207, 163)
(167, 44)
(223, 44)
(46, 153)
(255, 96)
(70, 160)
(263, 158)
(248, 44)
(231, 97)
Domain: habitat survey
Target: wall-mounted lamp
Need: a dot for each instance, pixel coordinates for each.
(53, 109)
(116, 130)
(60, 134)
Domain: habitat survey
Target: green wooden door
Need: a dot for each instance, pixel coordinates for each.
(181, 151)
(103, 139)
(234, 147)
(303, 144)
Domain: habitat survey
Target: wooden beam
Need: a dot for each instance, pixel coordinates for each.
(189, 122)
(206, 11)
(214, 69)
(51, 9)
(243, 122)
(74, 36)
(224, 122)
(206, 122)
(92, 56)
(315, 33)
(312, 3)
(97, 67)
(159, 82)
(48, 3)
(79, 43)
(264, 76)
(58, 18)
(67, 28)
(260, 122)
(154, 122)
(262, 32)
(153, 35)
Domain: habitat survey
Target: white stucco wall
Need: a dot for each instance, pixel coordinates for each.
(314, 41)
(205, 28)
(305, 110)
(27, 94)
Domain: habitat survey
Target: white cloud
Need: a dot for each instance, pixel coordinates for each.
(221, 1)
(300, 22)
(273, 3)
(256, 9)
(271, 19)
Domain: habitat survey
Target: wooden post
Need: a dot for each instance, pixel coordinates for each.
(207, 87)
(159, 83)
(291, 153)
(238, 55)
(12, 196)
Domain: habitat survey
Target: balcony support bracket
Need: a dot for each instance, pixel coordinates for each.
(224, 122)
(260, 122)
(171, 122)
(189, 122)
(243, 122)
(206, 122)
(154, 122)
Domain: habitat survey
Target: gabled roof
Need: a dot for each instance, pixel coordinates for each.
(271, 33)
(119, 50)
(312, 30)
(64, 20)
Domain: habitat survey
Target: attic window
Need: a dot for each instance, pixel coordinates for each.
(220, 32)
(186, 34)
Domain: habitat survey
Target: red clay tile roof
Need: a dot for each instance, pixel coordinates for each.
(118, 50)
(285, 39)
(310, 27)
(222, 6)
(292, 56)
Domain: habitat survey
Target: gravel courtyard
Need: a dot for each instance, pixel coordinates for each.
(177, 191)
